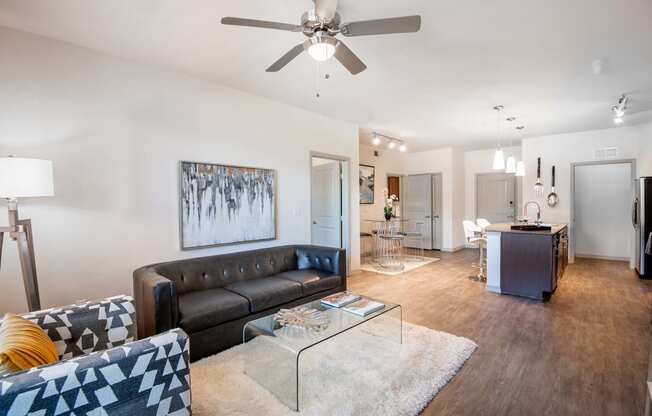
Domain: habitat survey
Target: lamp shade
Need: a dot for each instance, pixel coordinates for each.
(25, 178)
(520, 169)
(499, 160)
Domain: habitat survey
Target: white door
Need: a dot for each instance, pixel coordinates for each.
(496, 197)
(418, 208)
(602, 205)
(326, 202)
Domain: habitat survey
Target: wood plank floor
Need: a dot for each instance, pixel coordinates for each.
(585, 352)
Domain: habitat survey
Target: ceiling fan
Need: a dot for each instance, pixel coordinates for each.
(321, 25)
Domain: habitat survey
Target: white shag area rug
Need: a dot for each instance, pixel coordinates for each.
(410, 265)
(356, 373)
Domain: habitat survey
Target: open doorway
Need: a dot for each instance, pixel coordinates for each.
(602, 194)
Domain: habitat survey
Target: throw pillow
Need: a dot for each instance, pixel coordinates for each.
(23, 345)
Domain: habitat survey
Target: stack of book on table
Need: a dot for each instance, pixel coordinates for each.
(355, 304)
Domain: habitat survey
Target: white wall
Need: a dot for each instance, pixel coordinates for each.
(448, 162)
(459, 199)
(116, 131)
(388, 161)
(480, 161)
(645, 155)
(564, 149)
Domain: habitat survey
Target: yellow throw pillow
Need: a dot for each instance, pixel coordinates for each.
(23, 345)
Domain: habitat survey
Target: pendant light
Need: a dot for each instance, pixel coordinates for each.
(520, 165)
(520, 169)
(510, 166)
(499, 156)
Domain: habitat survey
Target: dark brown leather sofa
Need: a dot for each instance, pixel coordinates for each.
(211, 298)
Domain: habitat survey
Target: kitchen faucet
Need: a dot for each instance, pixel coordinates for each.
(525, 207)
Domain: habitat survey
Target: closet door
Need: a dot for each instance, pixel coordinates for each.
(418, 208)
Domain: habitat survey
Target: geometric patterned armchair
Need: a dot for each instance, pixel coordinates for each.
(103, 370)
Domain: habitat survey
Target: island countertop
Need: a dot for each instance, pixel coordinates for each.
(506, 228)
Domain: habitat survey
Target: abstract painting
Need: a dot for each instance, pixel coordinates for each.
(226, 204)
(367, 179)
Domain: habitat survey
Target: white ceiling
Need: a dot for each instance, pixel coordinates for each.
(433, 88)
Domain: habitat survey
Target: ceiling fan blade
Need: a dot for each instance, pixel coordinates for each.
(349, 59)
(285, 59)
(405, 24)
(236, 21)
(325, 9)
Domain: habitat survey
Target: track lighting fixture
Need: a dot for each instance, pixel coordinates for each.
(392, 143)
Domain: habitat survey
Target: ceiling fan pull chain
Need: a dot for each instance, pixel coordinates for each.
(317, 95)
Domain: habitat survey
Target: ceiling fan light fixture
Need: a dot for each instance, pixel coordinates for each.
(402, 148)
(391, 144)
(376, 140)
(322, 47)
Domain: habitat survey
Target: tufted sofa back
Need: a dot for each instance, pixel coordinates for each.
(204, 273)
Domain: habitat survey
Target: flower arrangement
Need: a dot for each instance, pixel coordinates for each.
(389, 204)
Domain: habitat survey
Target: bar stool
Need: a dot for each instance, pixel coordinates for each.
(366, 246)
(471, 231)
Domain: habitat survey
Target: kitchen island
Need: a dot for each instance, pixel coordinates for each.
(526, 262)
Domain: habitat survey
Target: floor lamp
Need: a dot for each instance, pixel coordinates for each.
(24, 178)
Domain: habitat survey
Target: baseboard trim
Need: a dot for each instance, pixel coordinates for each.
(454, 249)
(493, 289)
(610, 258)
(354, 272)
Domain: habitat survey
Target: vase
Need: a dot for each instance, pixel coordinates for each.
(388, 216)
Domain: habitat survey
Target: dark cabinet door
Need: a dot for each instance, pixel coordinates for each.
(556, 262)
(526, 265)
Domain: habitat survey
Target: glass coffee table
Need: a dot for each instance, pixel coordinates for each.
(275, 350)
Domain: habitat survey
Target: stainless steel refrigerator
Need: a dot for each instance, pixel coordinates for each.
(642, 221)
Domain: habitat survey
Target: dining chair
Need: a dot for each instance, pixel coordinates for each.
(482, 223)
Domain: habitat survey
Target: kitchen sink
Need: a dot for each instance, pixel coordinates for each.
(531, 227)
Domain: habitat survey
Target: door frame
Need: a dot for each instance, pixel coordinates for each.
(571, 225)
(475, 191)
(440, 207)
(345, 189)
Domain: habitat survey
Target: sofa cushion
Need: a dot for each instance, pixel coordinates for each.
(320, 258)
(312, 280)
(266, 292)
(208, 308)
